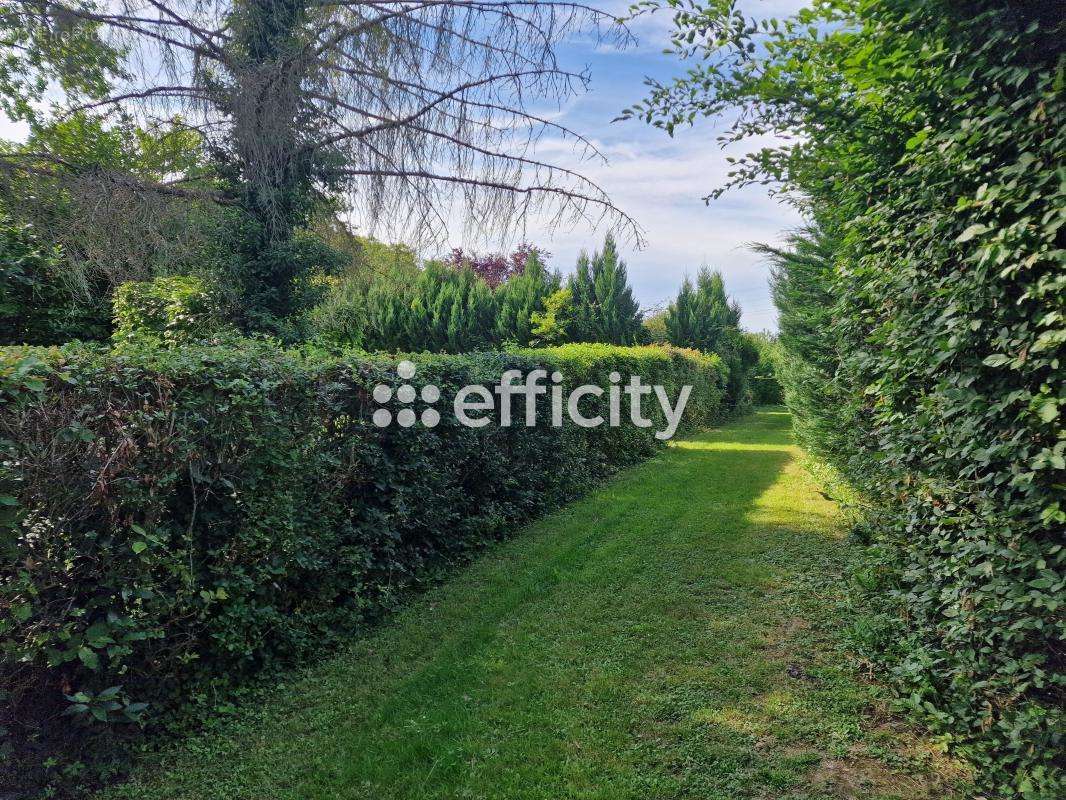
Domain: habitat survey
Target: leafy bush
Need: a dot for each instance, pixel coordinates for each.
(37, 306)
(180, 518)
(923, 330)
(552, 326)
(363, 260)
(654, 324)
(174, 310)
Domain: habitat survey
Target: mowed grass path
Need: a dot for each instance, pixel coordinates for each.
(669, 636)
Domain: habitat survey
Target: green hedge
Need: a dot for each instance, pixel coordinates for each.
(766, 388)
(923, 323)
(923, 329)
(177, 520)
(176, 309)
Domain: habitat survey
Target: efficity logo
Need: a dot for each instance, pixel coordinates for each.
(516, 396)
(405, 395)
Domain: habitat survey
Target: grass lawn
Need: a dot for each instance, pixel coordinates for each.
(672, 635)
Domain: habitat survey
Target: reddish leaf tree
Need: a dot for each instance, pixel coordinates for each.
(497, 268)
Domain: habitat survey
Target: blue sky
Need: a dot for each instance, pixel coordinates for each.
(661, 181)
(657, 180)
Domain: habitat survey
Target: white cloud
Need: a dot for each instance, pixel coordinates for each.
(661, 182)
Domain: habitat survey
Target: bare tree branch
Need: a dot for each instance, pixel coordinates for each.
(50, 165)
(396, 102)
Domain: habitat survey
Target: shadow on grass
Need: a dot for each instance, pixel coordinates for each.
(610, 650)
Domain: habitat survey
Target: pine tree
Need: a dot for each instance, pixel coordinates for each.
(680, 326)
(522, 296)
(583, 299)
(480, 314)
(704, 318)
(702, 315)
(604, 307)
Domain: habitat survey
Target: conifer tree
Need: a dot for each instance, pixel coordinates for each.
(702, 315)
(604, 307)
(704, 318)
(521, 297)
(450, 311)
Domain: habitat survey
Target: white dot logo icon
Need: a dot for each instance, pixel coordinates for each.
(406, 394)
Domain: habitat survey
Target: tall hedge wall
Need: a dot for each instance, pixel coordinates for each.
(923, 324)
(176, 520)
(923, 327)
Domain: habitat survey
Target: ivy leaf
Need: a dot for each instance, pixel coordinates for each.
(971, 232)
(1049, 410)
(915, 141)
(88, 658)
